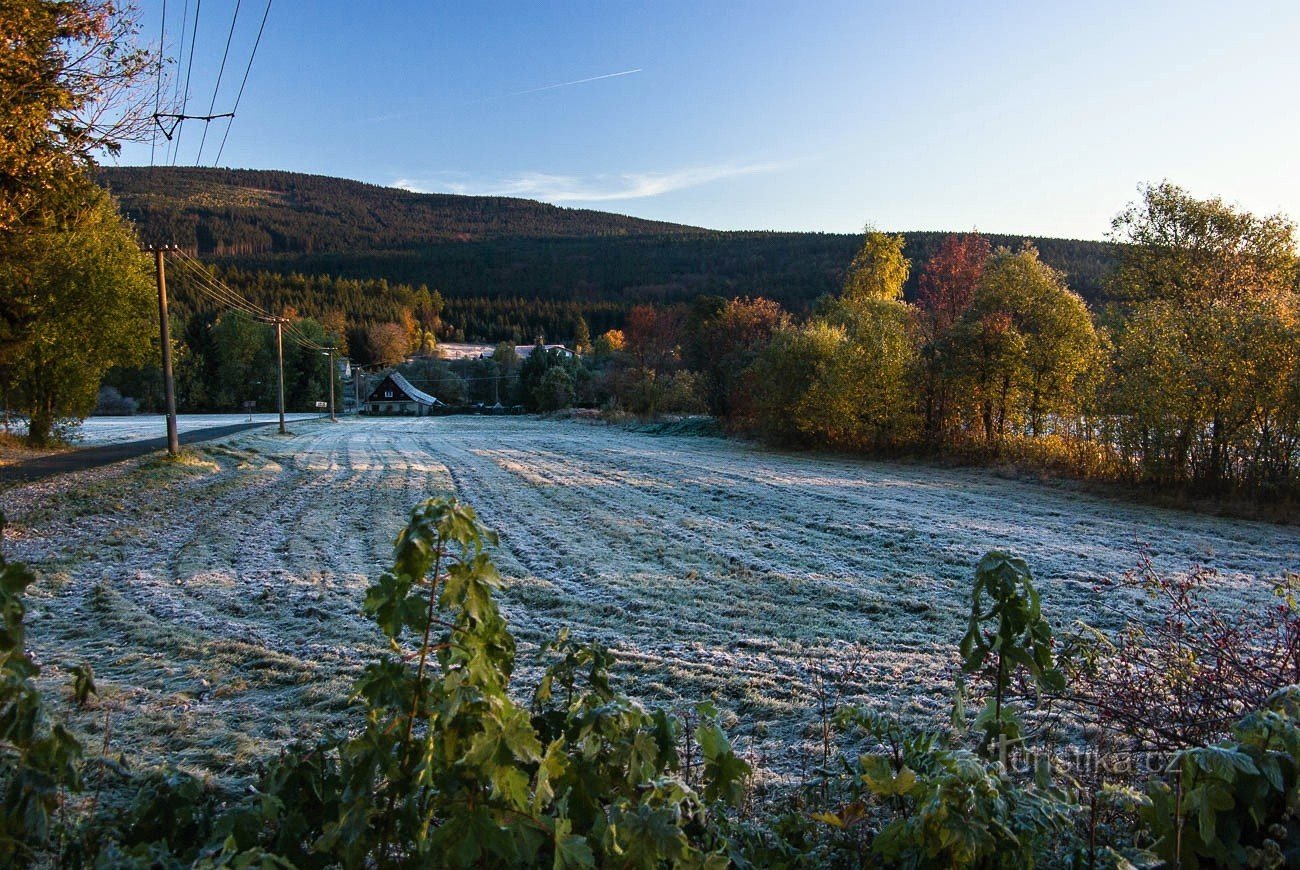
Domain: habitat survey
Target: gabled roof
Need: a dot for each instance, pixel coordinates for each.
(406, 387)
(417, 395)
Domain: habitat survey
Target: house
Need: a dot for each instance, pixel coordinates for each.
(396, 395)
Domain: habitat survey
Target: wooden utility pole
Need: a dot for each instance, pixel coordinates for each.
(165, 330)
(279, 357)
(330, 353)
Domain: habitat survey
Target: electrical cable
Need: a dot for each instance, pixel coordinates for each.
(208, 285)
(176, 89)
(185, 97)
(247, 70)
(157, 90)
(216, 289)
(201, 273)
(217, 88)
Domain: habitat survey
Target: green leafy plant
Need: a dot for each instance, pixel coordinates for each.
(940, 806)
(1006, 633)
(39, 759)
(1237, 802)
(447, 768)
(928, 802)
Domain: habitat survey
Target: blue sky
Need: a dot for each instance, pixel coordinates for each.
(1037, 118)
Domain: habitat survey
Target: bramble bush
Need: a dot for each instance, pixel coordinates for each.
(443, 766)
(1184, 678)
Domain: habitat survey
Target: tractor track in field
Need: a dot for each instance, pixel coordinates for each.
(218, 598)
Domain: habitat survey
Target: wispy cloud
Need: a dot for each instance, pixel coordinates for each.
(597, 188)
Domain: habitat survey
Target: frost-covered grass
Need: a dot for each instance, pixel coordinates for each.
(217, 598)
(95, 431)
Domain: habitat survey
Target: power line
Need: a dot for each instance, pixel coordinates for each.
(247, 70)
(185, 98)
(211, 287)
(217, 88)
(214, 288)
(176, 90)
(157, 91)
(225, 301)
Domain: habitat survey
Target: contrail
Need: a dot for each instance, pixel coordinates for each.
(398, 115)
(613, 75)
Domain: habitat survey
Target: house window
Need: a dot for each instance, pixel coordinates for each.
(388, 394)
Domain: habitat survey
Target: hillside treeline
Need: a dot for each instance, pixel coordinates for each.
(794, 269)
(246, 211)
(472, 247)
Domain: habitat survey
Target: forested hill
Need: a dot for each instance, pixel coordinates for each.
(256, 211)
(473, 246)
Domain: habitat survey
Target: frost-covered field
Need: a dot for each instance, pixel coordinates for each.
(112, 430)
(218, 601)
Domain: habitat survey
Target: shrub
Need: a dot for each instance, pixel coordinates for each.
(39, 758)
(111, 402)
(1186, 677)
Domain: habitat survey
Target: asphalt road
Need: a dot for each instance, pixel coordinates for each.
(93, 457)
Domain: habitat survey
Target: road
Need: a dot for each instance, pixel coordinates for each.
(114, 439)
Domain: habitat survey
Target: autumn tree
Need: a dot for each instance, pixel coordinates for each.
(608, 343)
(795, 401)
(652, 337)
(1023, 344)
(875, 366)
(335, 323)
(69, 87)
(1204, 370)
(842, 379)
(90, 303)
(68, 77)
(426, 319)
(948, 281)
(1177, 248)
(388, 343)
(724, 340)
(947, 286)
(879, 270)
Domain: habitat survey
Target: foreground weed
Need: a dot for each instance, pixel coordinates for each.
(446, 768)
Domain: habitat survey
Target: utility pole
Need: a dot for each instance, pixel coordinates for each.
(330, 354)
(165, 330)
(279, 357)
(279, 362)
